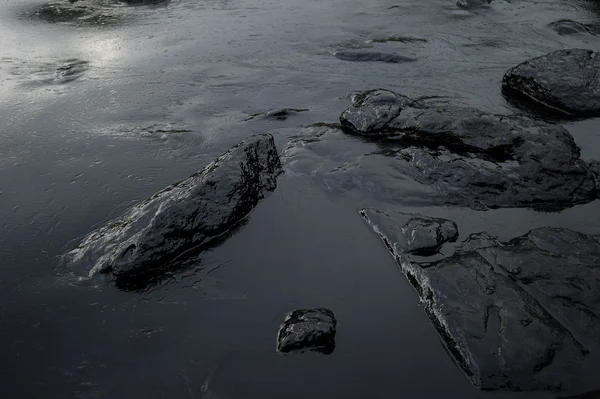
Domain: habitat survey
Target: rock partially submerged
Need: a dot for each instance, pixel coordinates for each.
(371, 56)
(565, 27)
(280, 114)
(474, 158)
(82, 12)
(186, 217)
(561, 84)
(408, 233)
(516, 315)
(472, 4)
(308, 329)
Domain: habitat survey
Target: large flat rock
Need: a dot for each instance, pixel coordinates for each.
(514, 315)
(473, 158)
(563, 84)
(187, 216)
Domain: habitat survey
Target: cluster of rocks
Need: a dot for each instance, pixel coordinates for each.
(516, 315)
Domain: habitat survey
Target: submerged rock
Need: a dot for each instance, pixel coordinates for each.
(513, 315)
(408, 233)
(308, 329)
(370, 56)
(396, 38)
(70, 70)
(471, 4)
(474, 158)
(280, 114)
(86, 12)
(567, 27)
(562, 84)
(186, 217)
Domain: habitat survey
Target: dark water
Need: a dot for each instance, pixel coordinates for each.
(96, 117)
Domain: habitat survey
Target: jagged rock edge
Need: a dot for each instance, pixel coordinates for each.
(419, 282)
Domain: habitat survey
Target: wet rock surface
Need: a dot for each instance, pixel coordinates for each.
(472, 4)
(566, 27)
(409, 233)
(561, 84)
(69, 71)
(371, 56)
(184, 218)
(84, 12)
(396, 39)
(515, 315)
(280, 114)
(474, 158)
(87, 12)
(308, 329)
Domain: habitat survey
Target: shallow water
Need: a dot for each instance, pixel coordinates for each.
(97, 117)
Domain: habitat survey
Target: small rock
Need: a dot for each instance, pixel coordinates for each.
(396, 38)
(71, 70)
(82, 12)
(370, 56)
(471, 4)
(559, 85)
(280, 114)
(409, 233)
(308, 329)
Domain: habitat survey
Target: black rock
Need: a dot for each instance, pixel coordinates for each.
(566, 27)
(188, 216)
(65, 12)
(409, 233)
(562, 84)
(369, 56)
(308, 329)
(280, 114)
(396, 38)
(474, 158)
(471, 4)
(514, 316)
